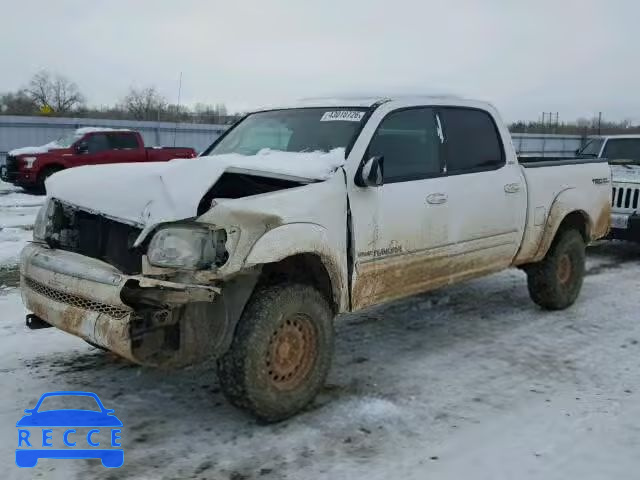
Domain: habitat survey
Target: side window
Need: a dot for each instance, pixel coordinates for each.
(409, 143)
(98, 142)
(472, 142)
(622, 149)
(123, 141)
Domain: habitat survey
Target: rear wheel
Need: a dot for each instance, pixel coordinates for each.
(281, 352)
(555, 282)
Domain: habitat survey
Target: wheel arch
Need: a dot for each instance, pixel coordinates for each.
(303, 252)
(49, 167)
(303, 268)
(307, 268)
(560, 220)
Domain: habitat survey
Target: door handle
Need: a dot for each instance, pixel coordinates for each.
(437, 198)
(512, 187)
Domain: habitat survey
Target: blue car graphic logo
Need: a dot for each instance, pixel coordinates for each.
(36, 438)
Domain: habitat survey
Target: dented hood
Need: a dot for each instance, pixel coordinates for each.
(146, 194)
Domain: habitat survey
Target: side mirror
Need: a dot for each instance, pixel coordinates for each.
(371, 173)
(82, 148)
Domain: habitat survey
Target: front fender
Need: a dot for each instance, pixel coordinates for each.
(298, 238)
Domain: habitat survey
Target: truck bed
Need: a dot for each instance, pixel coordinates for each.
(555, 192)
(162, 154)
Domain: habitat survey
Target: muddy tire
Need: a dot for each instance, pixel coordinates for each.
(281, 352)
(555, 282)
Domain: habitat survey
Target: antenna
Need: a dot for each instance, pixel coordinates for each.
(175, 129)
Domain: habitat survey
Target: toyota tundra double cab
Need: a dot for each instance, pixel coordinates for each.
(29, 167)
(293, 216)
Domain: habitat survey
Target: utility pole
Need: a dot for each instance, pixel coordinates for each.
(175, 130)
(599, 122)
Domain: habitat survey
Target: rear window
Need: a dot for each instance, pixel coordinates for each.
(622, 149)
(472, 142)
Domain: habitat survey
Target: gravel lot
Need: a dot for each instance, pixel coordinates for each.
(472, 381)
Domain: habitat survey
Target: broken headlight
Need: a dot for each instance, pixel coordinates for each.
(188, 246)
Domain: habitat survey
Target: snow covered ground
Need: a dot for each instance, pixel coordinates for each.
(17, 214)
(472, 381)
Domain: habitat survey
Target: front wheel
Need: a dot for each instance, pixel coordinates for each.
(555, 282)
(281, 352)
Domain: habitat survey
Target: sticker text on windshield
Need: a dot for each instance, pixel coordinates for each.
(342, 116)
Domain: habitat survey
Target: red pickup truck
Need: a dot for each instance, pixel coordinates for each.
(29, 167)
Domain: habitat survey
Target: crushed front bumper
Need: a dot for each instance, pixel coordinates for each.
(16, 177)
(83, 296)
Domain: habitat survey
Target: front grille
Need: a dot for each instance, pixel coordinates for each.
(94, 236)
(75, 300)
(625, 197)
(11, 163)
(13, 167)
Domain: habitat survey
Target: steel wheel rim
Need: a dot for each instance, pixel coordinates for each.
(292, 352)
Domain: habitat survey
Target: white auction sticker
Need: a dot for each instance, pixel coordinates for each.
(342, 115)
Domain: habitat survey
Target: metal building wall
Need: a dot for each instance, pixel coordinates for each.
(18, 131)
(547, 145)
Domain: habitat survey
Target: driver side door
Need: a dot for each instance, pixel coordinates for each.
(400, 229)
(97, 150)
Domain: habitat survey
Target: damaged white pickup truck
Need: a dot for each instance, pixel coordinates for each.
(296, 215)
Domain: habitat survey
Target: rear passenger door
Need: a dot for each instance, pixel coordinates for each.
(486, 194)
(125, 148)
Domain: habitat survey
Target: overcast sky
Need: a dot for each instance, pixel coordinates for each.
(574, 57)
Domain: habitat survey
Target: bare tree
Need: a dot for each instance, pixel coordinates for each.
(145, 103)
(218, 113)
(55, 92)
(18, 103)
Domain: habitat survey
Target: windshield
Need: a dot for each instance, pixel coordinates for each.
(295, 130)
(591, 149)
(67, 140)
